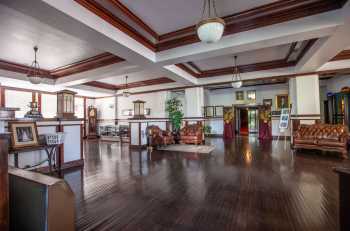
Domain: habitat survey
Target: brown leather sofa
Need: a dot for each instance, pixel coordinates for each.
(326, 137)
(191, 134)
(158, 137)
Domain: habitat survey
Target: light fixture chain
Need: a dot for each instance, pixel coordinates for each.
(214, 9)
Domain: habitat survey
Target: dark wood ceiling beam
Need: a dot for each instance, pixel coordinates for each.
(134, 18)
(342, 56)
(144, 83)
(188, 70)
(269, 18)
(101, 60)
(20, 68)
(109, 17)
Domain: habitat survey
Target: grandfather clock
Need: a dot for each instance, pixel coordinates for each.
(92, 120)
(65, 104)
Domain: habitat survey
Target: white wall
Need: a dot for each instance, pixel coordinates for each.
(155, 101)
(48, 105)
(227, 97)
(334, 85)
(106, 108)
(194, 101)
(18, 99)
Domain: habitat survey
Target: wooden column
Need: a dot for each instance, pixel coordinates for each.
(344, 199)
(2, 96)
(4, 198)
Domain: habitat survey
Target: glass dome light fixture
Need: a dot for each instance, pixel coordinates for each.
(211, 27)
(35, 74)
(126, 92)
(236, 77)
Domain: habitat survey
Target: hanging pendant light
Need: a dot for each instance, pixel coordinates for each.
(211, 28)
(34, 75)
(126, 92)
(236, 77)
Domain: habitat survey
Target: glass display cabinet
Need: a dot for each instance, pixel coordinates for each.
(338, 108)
(65, 104)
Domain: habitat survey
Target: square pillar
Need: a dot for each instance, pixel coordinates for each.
(304, 92)
(194, 101)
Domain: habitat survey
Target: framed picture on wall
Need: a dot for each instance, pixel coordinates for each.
(251, 95)
(209, 111)
(281, 101)
(23, 134)
(219, 111)
(239, 95)
(267, 102)
(147, 111)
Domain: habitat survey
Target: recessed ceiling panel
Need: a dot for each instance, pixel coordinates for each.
(169, 15)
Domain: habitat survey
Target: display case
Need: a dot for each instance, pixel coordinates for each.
(65, 104)
(338, 108)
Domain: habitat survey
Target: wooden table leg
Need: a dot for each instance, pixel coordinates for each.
(16, 159)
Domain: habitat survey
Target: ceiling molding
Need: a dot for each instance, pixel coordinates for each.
(134, 18)
(143, 83)
(342, 56)
(265, 15)
(97, 61)
(112, 19)
(274, 13)
(262, 66)
(20, 68)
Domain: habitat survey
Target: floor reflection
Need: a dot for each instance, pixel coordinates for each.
(243, 185)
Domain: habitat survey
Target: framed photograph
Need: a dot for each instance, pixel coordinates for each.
(240, 95)
(209, 111)
(267, 102)
(219, 111)
(281, 101)
(251, 95)
(23, 134)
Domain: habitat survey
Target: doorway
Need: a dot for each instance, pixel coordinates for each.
(247, 120)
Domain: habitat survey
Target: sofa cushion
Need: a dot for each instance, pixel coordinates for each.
(305, 141)
(330, 143)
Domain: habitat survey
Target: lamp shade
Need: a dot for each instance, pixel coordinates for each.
(237, 84)
(210, 30)
(34, 79)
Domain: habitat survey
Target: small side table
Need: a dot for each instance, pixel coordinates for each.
(51, 151)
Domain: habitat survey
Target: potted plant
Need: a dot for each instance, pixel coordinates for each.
(174, 110)
(207, 129)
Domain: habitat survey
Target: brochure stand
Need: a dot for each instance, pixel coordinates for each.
(284, 125)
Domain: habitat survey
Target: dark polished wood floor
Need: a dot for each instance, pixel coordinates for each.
(242, 185)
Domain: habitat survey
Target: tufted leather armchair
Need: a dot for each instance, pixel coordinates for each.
(158, 137)
(192, 134)
(326, 137)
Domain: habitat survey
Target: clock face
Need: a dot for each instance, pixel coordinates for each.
(92, 113)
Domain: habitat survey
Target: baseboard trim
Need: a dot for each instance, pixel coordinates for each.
(67, 165)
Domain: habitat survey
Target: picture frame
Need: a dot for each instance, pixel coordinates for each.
(147, 111)
(24, 134)
(239, 95)
(267, 102)
(209, 111)
(219, 111)
(282, 101)
(251, 95)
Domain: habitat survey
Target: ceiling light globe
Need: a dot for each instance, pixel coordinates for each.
(34, 79)
(210, 30)
(237, 84)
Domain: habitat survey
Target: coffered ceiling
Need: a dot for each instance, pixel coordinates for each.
(96, 43)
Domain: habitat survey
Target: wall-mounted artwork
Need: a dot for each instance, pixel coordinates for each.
(240, 95)
(24, 134)
(148, 111)
(251, 95)
(267, 102)
(209, 111)
(281, 101)
(219, 111)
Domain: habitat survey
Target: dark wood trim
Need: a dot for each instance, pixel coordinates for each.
(2, 96)
(101, 60)
(64, 166)
(39, 102)
(149, 82)
(20, 68)
(85, 119)
(33, 96)
(133, 17)
(112, 19)
(304, 115)
(342, 56)
(291, 50)
(306, 48)
(274, 13)
(188, 70)
(269, 65)
(60, 156)
(82, 127)
(194, 66)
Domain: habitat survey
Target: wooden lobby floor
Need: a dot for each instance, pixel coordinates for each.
(242, 185)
